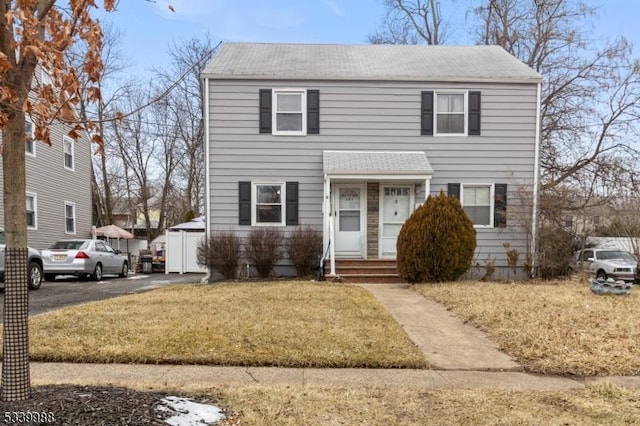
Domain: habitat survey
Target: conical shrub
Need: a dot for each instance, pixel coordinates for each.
(437, 242)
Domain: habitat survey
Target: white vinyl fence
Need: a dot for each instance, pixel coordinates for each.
(181, 249)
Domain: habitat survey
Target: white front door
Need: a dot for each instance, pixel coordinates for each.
(396, 202)
(348, 206)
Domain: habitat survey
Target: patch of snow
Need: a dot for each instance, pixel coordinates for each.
(137, 277)
(189, 413)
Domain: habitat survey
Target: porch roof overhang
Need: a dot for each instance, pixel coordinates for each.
(393, 165)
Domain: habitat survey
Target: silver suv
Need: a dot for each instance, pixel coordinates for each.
(34, 264)
(606, 263)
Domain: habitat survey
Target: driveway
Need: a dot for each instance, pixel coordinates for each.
(66, 291)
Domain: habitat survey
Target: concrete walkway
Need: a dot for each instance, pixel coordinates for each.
(446, 341)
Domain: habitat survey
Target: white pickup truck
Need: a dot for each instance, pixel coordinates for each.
(34, 264)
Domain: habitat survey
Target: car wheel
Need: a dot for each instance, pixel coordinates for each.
(125, 270)
(601, 274)
(35, 275)
(97, 273)
(49, 277)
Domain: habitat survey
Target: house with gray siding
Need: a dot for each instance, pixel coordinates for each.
(352, 138)
(58, 180)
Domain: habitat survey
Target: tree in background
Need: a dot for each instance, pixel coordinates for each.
(35, 34)
(184, 114)
(153, 170)
(411, 22)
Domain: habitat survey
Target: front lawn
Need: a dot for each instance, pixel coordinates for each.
(288, 324)
(558, 327)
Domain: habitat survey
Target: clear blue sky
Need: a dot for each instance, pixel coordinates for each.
(149, 28)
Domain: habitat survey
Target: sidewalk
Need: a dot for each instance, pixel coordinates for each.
(460, 356)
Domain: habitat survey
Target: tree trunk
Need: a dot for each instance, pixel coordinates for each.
(15, 344)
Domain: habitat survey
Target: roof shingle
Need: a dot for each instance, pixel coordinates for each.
(367, 62)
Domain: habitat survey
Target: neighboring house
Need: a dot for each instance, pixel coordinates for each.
(58, 180)
(351, 138)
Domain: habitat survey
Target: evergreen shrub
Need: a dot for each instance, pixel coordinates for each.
(437, 242)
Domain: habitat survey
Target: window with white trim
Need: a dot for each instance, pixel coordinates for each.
(451, 113)
(268, 204)
(289, 112)
(32, 210)
(45, 77)
(29, 130)
(68, 146)
(69, 217)
(477, 202)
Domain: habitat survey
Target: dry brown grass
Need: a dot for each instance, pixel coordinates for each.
(293, 324)
(551, 327)
(596, 404)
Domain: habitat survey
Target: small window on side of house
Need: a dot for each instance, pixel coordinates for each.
(29, 130)
(45, 77)
(32, 210)
(70, 218)
(68, 147)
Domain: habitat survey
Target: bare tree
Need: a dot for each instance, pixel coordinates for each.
(184, 114)
(411, 22)
(591, 97)
(98, 113)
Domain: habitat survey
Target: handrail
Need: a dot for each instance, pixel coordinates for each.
(323, 260)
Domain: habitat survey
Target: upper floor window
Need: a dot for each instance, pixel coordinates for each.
(32, 211)
(477, 201)
(69, 217)
(289, 112)
(68, 146)
(450, 113)
(29, 130)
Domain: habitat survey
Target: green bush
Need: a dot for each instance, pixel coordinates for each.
(437, 242)
(304, 248)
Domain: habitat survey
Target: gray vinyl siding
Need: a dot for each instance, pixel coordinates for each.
(54, 185)
(371, 116)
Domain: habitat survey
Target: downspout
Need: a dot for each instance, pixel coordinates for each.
(207, 183)
(536, 186)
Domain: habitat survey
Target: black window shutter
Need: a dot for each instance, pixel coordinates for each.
(292, 203)
(265, 110)
(474, 113)
(313, 112)
(453, 189)
(244, 203)
(426, 113)
(500, 205)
